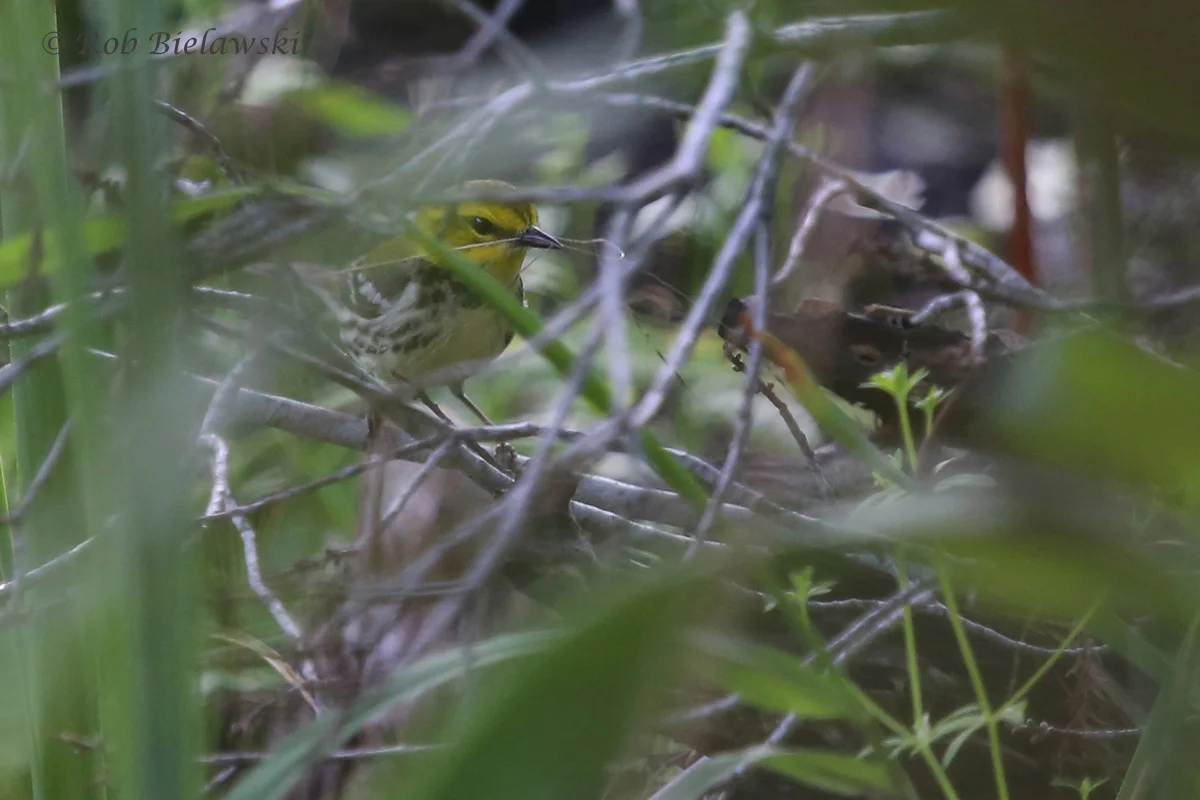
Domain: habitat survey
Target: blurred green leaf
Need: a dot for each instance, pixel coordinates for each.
(777, 680)
(1100, 405)
(16, 744)
(276, 775)
(709, 772)
(1055, 558)
(831, 771)
(351, 110)
(1168, 726)
(550, 731)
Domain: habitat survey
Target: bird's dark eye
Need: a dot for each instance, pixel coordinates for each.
(483, 226)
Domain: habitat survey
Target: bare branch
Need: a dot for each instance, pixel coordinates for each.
(829, 189)
(1039, 729)
(13, 370)
(511, 510)
(41, 571)
(40, 477)
(745, 413)
(988, 274)
(841, 648)
(493, 30)
(747, 219)
(245, 757)
(342, 474)
(202, 133)
(41, 322)
(976, 315)
(221, 501)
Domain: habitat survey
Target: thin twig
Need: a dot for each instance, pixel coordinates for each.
(1039, 729)
(988, 273)
(828, 34)
(201, 132)
(744, 418)
(767, 390)
(680, 173)
(688, 160)
(40, 571)
(41, 322)
(222, 500)
(735, 241)
(426, 469)
(851, 640)
(13, 370)
(40, 477)
(976, 315)
(244, 757)
(829, 189)
(512, 510)
(857, 636)
(493, 30)
(342, 474)
(937, 608)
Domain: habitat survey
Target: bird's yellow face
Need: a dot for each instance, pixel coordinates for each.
(493, 235)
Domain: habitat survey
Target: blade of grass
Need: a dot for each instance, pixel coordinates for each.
(157, 724)
(60, 692)
(816, 642)
(1158, 751)
(985, 706)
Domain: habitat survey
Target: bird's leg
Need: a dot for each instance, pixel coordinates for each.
(505, 455)
(504, 458)
(432, 406)
(461, 396)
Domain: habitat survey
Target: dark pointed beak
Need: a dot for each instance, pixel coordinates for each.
(536, 237)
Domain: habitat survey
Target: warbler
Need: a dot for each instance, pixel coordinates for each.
(402, 315)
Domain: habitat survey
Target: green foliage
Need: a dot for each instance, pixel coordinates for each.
(42, 253)
(276, 775)
(125, 663)
(526, 739)
(351, 111)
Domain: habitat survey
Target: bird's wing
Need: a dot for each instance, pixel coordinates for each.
(384, 279)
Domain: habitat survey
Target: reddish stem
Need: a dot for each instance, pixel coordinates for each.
(1014, 138)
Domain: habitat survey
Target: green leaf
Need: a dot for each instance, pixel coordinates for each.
(1100, 405)
(352, 111)
(708, 772)
(777, 680)
(1056, 559)
(550, 730)
(1159, 758)
(831, 771)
